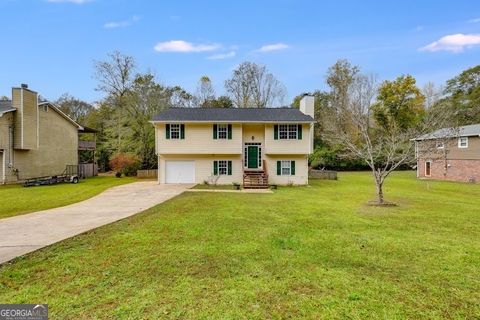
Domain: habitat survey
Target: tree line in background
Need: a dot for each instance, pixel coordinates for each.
(359, 120)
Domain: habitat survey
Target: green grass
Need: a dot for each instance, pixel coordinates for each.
(303, 252)
(16, 200)
(214, 187)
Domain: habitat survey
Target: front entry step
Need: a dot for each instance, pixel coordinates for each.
(255, 179)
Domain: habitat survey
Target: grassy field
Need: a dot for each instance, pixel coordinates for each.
(303, 252)
(15, 199)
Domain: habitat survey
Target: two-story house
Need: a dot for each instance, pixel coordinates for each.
(450, 154)
(251, 146)
(36, 137)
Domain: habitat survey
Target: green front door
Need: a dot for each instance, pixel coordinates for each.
(252, 157)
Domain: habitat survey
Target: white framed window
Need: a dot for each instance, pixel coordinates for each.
(222, 130)
(175, 131)
(222, 167)
(463, 142)
(440, 144)
(287, 131)
(286, 168)
(45, 108)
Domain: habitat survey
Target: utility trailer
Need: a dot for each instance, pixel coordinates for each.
(67, 176)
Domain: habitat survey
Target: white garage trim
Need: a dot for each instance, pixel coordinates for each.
(177, 171)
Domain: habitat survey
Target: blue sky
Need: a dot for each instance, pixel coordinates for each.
(51, 44)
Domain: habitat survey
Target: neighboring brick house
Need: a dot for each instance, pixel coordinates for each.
(239, 145)
(450, 154)
(36, 138)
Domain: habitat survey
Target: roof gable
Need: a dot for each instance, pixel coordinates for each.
(232, 115)
(464, 131)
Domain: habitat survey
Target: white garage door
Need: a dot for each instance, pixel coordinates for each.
(180, 171)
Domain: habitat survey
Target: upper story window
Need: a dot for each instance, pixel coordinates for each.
(175, 131)
(222, 131)
(287, 131)
(463, 142)
(440, 145)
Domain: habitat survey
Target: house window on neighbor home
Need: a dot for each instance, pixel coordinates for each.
(463, 142)
(440, 145)
(285, 168)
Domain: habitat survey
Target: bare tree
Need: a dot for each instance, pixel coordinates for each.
(205, 92)
(253, 86)
(432, 94)
(383, 146)
(115, 77)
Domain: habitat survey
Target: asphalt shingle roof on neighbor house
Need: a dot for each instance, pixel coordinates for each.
(465, 131)
(232, 115)
(6, 106)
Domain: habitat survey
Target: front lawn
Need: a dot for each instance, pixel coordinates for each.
(303, 252)
(15, 199)
(215, 187)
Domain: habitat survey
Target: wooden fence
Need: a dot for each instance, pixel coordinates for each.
(147, 174)
(322, 174)
(86, 170)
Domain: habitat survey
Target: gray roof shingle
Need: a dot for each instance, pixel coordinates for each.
(233, 115)
(6, 106)
(465, 131)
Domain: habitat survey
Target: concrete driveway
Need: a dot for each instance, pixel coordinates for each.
(26, 233)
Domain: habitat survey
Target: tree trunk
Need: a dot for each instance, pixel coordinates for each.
(379, 191)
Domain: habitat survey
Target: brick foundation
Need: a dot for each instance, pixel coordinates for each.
(457, 170)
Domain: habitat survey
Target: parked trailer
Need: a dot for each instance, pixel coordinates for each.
(66, 176)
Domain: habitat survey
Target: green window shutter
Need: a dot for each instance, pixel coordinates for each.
(214, 131)
(292, 168)
(279, 168)
(229, 132)
(182, 131)
(229, 168)
(275, 132)
(299, 132)
(215, 168)
(167, 131)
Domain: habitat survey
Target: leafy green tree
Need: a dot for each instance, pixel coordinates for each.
(221, 102)
(400, 103)
(146, 99)
(463, 95)
(74, 107)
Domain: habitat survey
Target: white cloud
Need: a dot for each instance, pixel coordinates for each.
(70, 1)
(184, 46)
(121, 24)
(476, 20)
(222, 56)
(273, 47)
(453, 42)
